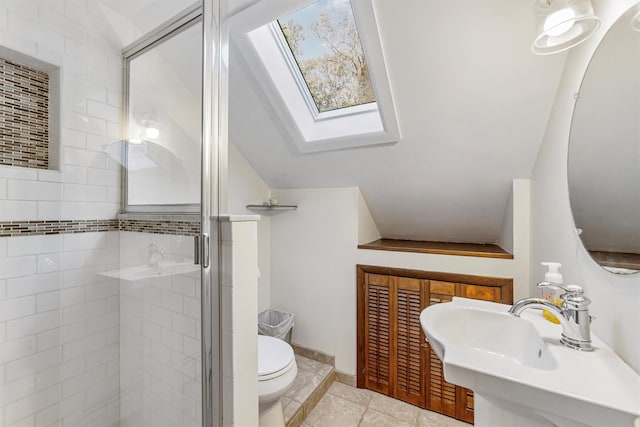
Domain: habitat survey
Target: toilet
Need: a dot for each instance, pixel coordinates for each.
(276, 371)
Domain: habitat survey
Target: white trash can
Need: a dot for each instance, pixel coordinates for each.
(276, 323)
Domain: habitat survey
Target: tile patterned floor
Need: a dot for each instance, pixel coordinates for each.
(345, 406)
(311, 375)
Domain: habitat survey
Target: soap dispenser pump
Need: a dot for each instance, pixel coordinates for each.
(549, 293)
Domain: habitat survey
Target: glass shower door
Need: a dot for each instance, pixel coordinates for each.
(109, 133)
(167, 305)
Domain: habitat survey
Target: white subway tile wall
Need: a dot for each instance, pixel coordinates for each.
(77, 346)
(74, 36)
(81, 348)
(59, 358)
(160, 363)
(59, 318)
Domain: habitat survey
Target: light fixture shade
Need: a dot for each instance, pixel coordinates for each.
(562, 24)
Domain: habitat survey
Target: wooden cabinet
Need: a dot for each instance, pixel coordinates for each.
(393, 341)
(393, 356)
(377, 334)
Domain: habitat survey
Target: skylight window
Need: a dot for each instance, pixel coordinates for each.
(325, 45)
(308, 62)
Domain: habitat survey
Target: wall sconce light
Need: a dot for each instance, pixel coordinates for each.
(562, 24)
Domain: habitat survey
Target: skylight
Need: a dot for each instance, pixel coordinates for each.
(325, 44)
(286, 46)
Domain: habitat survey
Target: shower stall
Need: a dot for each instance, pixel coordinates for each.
(110, 148)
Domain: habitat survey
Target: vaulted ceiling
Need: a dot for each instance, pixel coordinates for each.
(472, 104)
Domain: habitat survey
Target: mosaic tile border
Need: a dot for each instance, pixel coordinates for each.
(46, 227)
(179, 228)
(36, 228)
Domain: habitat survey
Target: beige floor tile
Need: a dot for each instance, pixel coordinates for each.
(373, 418)
(312, 365)
(324, 370)
(356, 395)
(303, 393)
(394, 408)
(289, 407)
(302, 378)
(433, 419)
(334, 411)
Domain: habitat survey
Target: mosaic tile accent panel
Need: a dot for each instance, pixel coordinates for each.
(32, 228)
(181, 228)
(24, 116)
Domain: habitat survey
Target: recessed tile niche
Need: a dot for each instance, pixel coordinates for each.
(29, 92)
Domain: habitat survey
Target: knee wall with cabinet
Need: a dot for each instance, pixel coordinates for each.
(393, 355)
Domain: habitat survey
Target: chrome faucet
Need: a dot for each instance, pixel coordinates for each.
(573, 314)
(156, 254)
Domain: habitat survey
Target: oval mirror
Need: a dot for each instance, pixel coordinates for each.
(604, 150)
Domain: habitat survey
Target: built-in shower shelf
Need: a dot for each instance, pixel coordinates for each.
(268, 207)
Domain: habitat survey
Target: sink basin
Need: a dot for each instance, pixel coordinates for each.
(493, 335)
(143, 272)
(519, 366)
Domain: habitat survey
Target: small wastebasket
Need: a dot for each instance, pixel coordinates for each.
(276, 323)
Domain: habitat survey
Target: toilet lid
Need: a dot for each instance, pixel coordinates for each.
(274, 355)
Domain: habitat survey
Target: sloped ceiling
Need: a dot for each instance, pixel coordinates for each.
(472, 104)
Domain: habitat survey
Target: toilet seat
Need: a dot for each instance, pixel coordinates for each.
(275, 358)
(277, 371)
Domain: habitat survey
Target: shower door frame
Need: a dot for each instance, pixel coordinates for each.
(214, 161)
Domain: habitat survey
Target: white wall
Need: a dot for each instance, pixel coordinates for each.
(615, 299)
(367, 228)
(314, 254)
(247, 187)
(239, 326)
(505, 241)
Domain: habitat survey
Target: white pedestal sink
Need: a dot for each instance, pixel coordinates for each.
(520, 372)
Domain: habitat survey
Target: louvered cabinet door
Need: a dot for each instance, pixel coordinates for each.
(464, 405)
(410, 372)
(441, 394)
(377, 333)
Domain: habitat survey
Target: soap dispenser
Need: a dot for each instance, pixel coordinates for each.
(549, 293)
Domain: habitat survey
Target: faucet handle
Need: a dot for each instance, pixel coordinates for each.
(573, 296)
(574, 289)
(570, 289)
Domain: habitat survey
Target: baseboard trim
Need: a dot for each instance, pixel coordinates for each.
(347, 379)
(316, 355)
